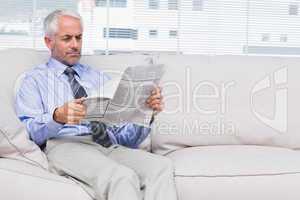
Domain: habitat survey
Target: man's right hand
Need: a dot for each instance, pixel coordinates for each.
(71, 112)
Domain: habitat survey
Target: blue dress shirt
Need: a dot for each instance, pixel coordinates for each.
(46, 87)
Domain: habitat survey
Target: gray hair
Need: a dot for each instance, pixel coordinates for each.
(51, 21)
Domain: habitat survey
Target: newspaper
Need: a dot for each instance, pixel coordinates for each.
(125, 98)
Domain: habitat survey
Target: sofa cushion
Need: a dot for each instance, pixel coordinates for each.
(14, 140)
(22, 181)
(235, 160)
(237, 172)
(213, 100)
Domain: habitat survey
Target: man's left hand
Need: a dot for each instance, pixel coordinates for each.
(155, 101)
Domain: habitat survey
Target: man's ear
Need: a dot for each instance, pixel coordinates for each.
(49, 42)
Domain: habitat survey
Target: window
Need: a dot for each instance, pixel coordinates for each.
(121, 33)
(172, 4)
(13, 30)
(21, 21)
(283, 38)
(173, 34)
(197, 5)
(265, 37)
(112, 3)
(293, 9)
(267, 27)
(153, 4)
(153, 34)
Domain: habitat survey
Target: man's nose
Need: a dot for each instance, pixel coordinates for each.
(74, 43)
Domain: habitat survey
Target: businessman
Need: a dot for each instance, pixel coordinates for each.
(50, 103)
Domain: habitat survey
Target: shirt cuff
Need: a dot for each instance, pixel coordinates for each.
(52, 126)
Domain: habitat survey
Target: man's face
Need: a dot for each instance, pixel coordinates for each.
(66, 43)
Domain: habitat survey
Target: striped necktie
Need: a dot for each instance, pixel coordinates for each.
(78, 90)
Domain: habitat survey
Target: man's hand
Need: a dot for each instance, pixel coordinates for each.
(71, 112)
(155, 101)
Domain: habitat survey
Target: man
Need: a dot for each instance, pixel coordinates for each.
(50, 103)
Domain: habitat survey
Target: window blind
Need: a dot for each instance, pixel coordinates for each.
(214, 27)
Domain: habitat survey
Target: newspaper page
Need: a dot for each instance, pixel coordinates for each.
(128, 103)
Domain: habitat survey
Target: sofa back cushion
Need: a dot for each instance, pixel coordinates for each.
(14, 140)
(209, 100)
(212, 100)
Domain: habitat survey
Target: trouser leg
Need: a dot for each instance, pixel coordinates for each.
(155, 172)
(90, 164)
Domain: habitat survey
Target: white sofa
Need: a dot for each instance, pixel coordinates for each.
(230, 126)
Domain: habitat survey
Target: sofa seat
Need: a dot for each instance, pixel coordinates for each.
(23, 181)
(237, 172)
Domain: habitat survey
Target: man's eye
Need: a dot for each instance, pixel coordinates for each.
(78, 37)
(66, 39)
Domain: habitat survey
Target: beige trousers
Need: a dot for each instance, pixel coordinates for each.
(115, 173)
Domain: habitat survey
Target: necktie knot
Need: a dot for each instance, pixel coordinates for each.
(70, 72)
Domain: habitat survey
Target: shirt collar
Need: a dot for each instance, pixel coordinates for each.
(59, 67)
